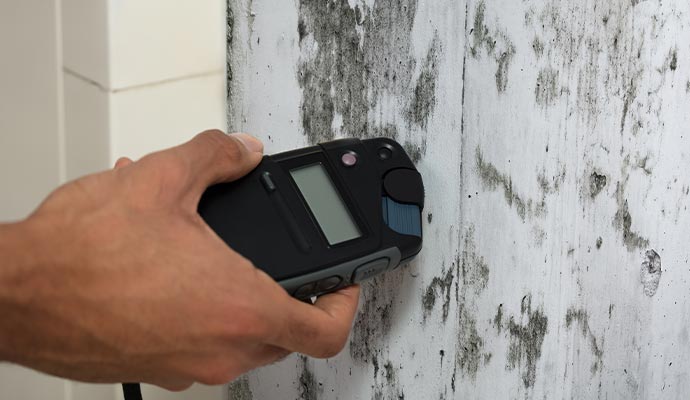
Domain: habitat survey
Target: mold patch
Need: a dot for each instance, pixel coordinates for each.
(526, 336)
(353, 56)
(492, 179)
(240, 390)
(623, 222)
(424, 97)
(597, 182)
(496, 44)
(546, 89)
(438, 286)
(581, 317)
(308, 387)
(388, 387)
(471, 354)
(650, 273)
(474, 270)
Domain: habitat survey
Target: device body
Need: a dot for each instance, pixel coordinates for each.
(323, 217)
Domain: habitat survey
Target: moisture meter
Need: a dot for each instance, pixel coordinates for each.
(324, 217)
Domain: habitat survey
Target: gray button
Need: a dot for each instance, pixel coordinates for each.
(268, 182)
(370, 269)
(305, 291)
(328, 284)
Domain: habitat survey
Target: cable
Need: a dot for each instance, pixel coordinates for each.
(132, 391)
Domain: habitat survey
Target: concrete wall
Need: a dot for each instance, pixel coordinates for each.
(553, 138)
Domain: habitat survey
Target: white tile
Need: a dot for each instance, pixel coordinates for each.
(86, 39)
(157, 40)
(29, 106)
(86, 127)
(164, 115)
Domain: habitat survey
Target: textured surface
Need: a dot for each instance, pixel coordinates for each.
(553, 140)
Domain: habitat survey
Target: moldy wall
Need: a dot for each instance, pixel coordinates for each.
(553, 139)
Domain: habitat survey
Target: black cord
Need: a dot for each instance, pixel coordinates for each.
(132, 391)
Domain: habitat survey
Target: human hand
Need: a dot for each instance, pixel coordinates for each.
(116, 278)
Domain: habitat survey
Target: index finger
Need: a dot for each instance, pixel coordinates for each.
(319, 330)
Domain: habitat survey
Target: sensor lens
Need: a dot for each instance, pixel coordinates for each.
(349, 159)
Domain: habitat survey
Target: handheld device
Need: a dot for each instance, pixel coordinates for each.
(323, 217)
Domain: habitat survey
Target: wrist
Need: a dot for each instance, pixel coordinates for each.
(20, 260)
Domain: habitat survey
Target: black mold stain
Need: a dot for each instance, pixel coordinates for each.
(546, 90)
(374, 320)
(429, 217)
(650, 273)
(496, 43)
(623, 222)
(581, 317)
(471, 353)
(600, 241)
(390, 387)
(538, 47)
(424, 98)
(474, 270)
(492, 179)
(597, 182)
(240, 390)
(308, 387)
(230, 35)
(436, 287)
(526, 341)
(498, 319)
(353, 56)
(473, 277)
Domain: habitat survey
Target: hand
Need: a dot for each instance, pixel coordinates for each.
(116, 278)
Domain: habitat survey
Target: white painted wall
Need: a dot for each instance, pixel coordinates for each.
(83, 82)
(554, 142)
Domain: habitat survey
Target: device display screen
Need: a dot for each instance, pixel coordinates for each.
(325, 203)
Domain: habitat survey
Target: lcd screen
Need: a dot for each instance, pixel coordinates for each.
(325, 203)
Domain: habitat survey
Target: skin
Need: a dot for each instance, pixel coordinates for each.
(116, 278)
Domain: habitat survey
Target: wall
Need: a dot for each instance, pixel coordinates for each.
(553, 139)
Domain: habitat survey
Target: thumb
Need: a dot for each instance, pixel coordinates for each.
(214, 157)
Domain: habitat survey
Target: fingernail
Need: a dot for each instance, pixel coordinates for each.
(250, 142)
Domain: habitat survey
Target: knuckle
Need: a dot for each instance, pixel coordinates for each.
(229, 147)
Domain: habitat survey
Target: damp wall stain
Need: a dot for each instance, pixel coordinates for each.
(424, 98)
(471, 354)
(526, 334)
(386, 384)
(240, 390)
(581, 317)
(546, 89)
(650, 272)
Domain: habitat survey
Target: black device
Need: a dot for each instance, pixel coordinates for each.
(320, 218)
(323, 217)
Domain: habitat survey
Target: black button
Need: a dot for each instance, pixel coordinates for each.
(385, 153)
(305, 291)
(328, 284)
(370, 269)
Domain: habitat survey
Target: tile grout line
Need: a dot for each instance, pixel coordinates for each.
(143, 85)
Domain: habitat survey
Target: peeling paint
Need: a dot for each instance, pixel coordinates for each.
(650, 273)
